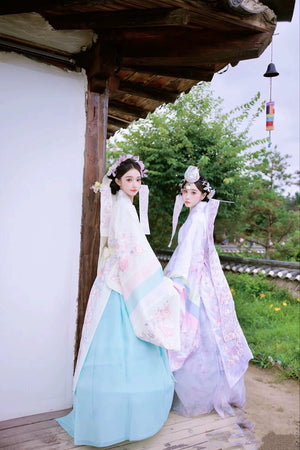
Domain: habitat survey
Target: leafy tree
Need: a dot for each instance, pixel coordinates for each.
(270, 167)
(288, 249)
(194, 130)
(293, 202)
(266, 219)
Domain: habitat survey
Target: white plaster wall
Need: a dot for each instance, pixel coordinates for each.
(42, 127)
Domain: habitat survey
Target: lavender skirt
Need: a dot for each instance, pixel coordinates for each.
(200, 384)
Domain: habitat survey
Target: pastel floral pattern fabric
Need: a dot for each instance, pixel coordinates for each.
(196, 265)
(128, 265)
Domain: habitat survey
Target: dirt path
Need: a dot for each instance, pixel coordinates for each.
(273, 407)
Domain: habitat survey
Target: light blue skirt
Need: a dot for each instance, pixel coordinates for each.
(125, 388)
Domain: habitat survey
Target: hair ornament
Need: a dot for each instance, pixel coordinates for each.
(113, 169)
(207, 188)
(192, 174)
(96, 187)
(211, 194)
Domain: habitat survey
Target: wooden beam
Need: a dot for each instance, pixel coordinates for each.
(100, 62)
(15, 7)
(59, 6)
(212, 15)
(116, 122)
(192, 49)
(189, 73)
(94, 167)
(135, 112)
(112, 116)
(135, 89)
(153, 19)
(140, 90)
(200, 13)
(142, 19)
(112, 128)
(134, 18)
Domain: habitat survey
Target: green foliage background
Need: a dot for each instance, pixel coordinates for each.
(269, 317)
(193, 131)
(196, 131)
(266, 218)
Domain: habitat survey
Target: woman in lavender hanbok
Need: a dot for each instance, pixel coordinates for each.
(214, 356)
(123, 385)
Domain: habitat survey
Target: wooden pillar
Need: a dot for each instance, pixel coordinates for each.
(94, 169)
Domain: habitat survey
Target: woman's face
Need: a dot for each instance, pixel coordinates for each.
(191, 195)
(130, 182)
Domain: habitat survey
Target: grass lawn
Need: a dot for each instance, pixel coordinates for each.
(269, 317)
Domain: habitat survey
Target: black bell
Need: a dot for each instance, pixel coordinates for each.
(271, 71)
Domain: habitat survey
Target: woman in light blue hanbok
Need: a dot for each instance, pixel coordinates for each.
(123, 386)
(214, 354)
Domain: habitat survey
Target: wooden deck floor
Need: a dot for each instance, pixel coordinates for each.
(208, 431)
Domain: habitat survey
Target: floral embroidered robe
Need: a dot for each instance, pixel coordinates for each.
(196, 265)
(128, 265)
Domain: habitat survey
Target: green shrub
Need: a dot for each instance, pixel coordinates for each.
(269, 317)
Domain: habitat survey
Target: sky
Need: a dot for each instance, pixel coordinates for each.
(241, 83)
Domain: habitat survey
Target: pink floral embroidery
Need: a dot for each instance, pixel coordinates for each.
(123, 263)
(138, 249)
(159, 327)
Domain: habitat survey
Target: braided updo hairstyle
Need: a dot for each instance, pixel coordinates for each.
(123, 168)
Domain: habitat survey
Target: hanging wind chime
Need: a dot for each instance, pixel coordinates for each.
(270, 105)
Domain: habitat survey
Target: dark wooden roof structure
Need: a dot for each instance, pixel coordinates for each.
(137, 54)
(150, 50)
